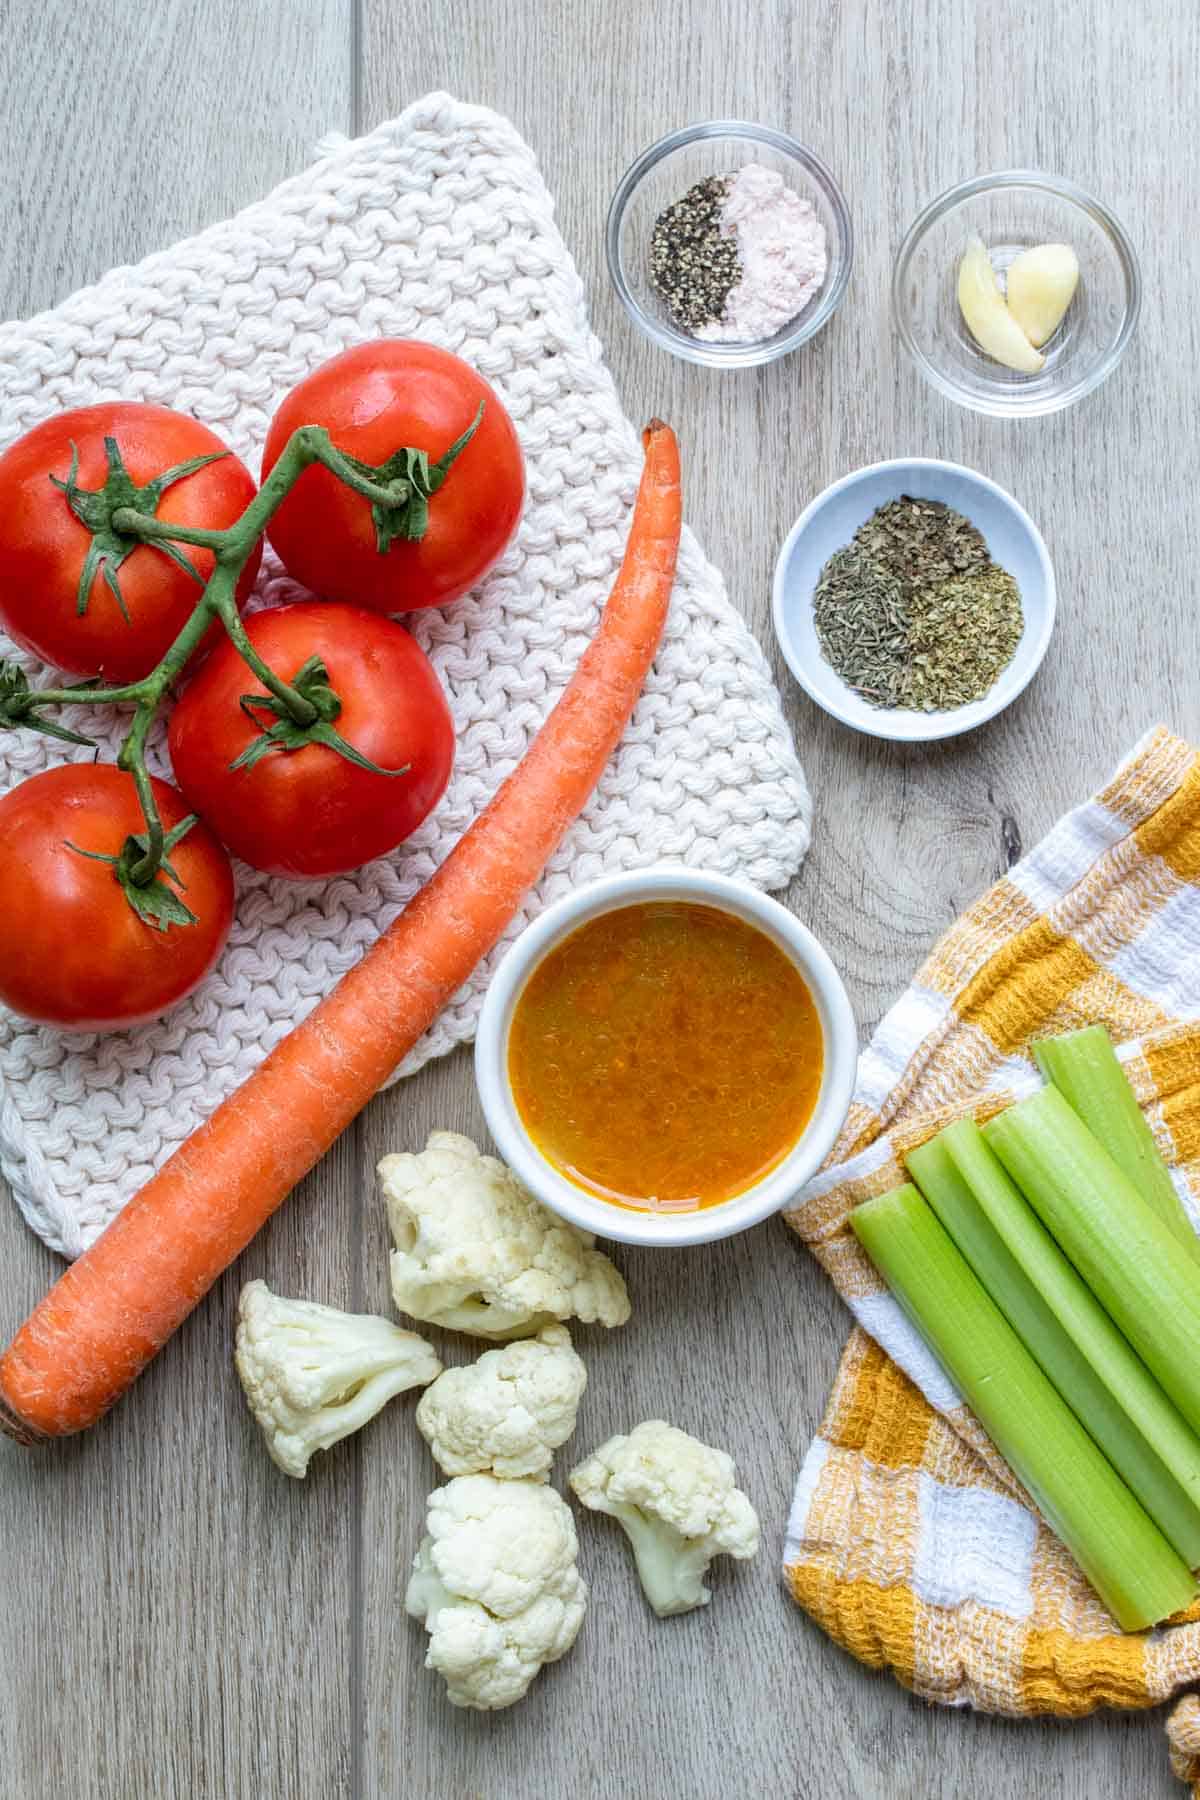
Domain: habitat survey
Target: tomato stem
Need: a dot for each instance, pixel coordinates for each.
(83, 695)
(133, 759)
(156, 902)
(144, 525)
(302, 711)
(389, 493)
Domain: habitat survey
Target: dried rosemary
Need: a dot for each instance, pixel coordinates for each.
(913, 613)
(861, 616)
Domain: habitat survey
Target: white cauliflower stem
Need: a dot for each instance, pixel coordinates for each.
(312, 1375)
(476, 1252)
(496, 1586)
(507, 1413)
(676, 1499)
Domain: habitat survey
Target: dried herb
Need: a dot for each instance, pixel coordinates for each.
(962, 634)
(913, 613)
(922, 541)
(693, 263)
(861, 617)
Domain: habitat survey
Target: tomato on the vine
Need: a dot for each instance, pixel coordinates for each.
(78, 947)
(59, 484)
(380, 402)
(297, 800)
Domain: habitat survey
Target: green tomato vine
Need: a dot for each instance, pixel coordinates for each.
(121, 517)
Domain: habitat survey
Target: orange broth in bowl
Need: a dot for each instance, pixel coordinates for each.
(665, 1056)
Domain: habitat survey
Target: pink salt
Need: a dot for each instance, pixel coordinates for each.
(781, 246)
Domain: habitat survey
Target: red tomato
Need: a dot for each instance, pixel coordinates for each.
(43, 544)
(73, 952)
(308, 811)
(394, 394)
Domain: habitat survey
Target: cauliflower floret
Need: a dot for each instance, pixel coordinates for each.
(312, 1374)
(496, 1586)
(676, 1499)
(476, 1252)
(507, 1413)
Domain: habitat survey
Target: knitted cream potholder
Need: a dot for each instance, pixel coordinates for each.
(438, 225)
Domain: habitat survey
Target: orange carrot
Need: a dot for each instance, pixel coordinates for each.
(115, 1308)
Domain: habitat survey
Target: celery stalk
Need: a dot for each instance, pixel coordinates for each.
(1085, 1069)
(1060, 1321)
(1133, 1263)
(1119, 1548)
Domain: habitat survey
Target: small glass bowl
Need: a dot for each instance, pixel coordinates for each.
(1013, 211)
(663, 174)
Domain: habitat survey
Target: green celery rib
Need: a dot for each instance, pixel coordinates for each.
(1121, 1551)
(1060, 1321)
(1133, 1263)
(1087, 1072)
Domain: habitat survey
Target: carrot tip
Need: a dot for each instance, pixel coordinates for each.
(654, 426)
(14, 1427)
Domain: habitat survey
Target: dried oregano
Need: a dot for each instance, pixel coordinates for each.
(962, 634)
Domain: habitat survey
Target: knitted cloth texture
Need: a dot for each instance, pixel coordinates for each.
(909, 1540)
(437, 225)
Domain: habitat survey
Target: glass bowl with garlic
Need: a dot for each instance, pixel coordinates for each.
(1016, 293)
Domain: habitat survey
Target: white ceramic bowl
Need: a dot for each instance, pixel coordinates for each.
(831, 521)
(666, 882)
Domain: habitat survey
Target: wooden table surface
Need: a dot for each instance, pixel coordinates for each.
(175, 1617)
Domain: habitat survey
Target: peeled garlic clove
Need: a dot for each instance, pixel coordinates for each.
(1041, 286)
(988, 319)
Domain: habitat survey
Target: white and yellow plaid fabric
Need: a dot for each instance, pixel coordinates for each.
(909, 1540)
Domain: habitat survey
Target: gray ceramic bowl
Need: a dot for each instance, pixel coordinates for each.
(831, 521)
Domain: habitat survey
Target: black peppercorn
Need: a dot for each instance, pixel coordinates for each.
(693, 263)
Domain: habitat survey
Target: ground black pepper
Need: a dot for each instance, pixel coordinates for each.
(693, 264)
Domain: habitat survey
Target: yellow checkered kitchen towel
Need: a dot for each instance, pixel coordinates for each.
(909, 1540)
